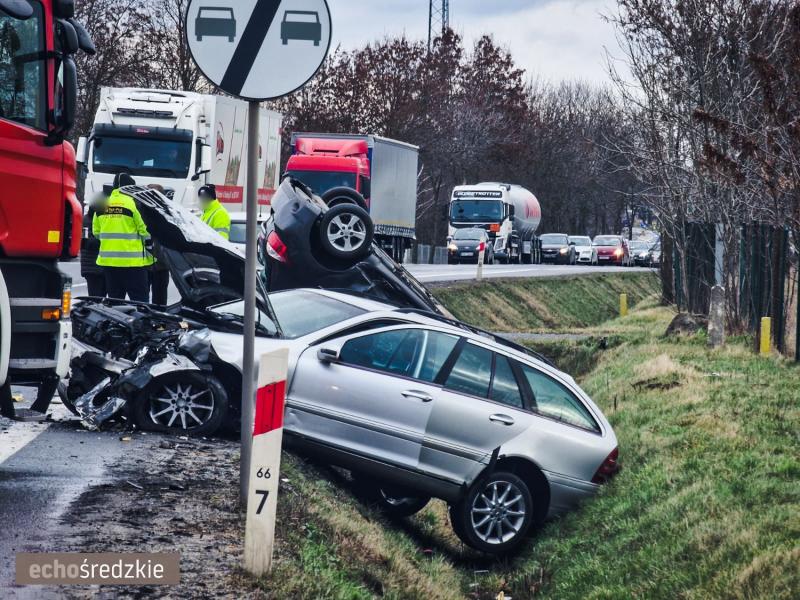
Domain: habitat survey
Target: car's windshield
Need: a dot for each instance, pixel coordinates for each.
(148, 157)
(468, 234)
(639, 245)
(580, 240)
(211, 12)
(299, 312)
(23, 84)
(554, 238)
(476, 211)
(322, 181)
(607, 240)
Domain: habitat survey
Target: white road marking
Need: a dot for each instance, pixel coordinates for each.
(19, 435)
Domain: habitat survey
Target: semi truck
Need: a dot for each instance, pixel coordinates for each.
(180, 141)
(509, 213)
(381, 170)
(40, 216)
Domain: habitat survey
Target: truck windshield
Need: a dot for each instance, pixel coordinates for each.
(476, 211)
(23, 87)
(322, 181)
(148, 157)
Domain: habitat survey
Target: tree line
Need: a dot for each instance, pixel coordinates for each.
(475, 115)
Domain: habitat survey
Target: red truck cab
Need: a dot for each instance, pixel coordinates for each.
(324, 164)
(40, 216)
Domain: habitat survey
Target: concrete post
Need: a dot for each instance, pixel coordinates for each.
(716, 317)
(479, 274)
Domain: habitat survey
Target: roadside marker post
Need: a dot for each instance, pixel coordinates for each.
(481, 251)
(256, 50)
(766, 327)
(265, 462)
(623, 305)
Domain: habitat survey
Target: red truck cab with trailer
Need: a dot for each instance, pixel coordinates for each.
(40, 216)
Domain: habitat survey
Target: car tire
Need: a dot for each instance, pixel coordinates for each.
(388, 499)
(284, 41)
(230, 38)
(495, 515)
(199, 38)
(166, 393)
(353, 222)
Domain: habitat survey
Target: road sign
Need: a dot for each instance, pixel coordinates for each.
(259, 49)
(266, 461)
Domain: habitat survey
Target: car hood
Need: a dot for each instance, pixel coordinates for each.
(206, 268)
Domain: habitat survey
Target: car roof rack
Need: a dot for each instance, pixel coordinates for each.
(482, 332)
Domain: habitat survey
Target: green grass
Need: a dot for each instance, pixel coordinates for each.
(707, 504)
(546, 304)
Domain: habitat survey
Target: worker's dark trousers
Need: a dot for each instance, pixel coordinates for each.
(96, 284)
(159, 282)
(133, 281)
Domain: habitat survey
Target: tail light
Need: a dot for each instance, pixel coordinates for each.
(608, 469)
(276, 248)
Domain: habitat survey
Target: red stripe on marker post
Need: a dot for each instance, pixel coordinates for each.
(269, 407)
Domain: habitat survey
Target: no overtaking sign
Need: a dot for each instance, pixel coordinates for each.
(259, 49)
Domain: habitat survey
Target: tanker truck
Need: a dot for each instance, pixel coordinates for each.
(509, 213)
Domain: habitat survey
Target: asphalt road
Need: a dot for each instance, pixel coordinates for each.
(43, 468)
(425, 273)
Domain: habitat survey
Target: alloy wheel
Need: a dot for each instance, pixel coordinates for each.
(498, 512)
(187, 404)
(347, 232)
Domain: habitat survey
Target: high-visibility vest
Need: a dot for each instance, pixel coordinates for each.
(216, 217)
(122, 234)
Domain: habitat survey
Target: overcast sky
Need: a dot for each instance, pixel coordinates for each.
(555, 39)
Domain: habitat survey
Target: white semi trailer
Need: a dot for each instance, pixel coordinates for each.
(180, 141)
(509, 213)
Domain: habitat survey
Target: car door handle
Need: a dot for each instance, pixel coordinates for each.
(425, 397)
(504, 419)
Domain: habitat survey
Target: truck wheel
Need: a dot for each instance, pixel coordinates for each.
(346, 231)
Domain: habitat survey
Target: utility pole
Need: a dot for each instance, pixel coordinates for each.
(438, 19)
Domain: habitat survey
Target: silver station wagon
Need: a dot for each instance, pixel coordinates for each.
(419, 406)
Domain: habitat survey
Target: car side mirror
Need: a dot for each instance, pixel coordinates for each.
(327, 355)
(205, 162)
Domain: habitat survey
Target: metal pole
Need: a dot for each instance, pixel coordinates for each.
(248, 364)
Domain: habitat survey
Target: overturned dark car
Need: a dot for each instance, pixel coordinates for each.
(178, 368)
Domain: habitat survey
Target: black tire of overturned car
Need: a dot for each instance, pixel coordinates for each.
(357, 220)
(180, 395)
(475, 504)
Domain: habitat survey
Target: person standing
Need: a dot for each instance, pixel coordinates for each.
(159, 273)
(124, 243)
(214, 214)
(90, 246)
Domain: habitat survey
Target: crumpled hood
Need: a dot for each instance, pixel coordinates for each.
(206, 268)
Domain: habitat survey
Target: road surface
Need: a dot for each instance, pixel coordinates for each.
(426, 273)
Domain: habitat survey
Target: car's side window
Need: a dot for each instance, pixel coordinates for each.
(554, 400)
(414, 353)
(472, 372)
(504, 384)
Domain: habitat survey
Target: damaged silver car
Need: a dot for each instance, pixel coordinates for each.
(415, 405)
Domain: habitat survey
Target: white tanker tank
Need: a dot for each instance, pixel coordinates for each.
(510, 213)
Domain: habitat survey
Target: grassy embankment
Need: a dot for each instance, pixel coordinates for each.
(707, 504)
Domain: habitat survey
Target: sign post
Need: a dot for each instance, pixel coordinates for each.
(256, 50)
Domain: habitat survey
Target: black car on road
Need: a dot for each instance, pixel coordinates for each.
(557, 248)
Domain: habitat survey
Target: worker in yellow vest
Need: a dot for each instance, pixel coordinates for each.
(124, 243)
(214, 214)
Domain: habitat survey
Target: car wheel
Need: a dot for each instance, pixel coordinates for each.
(199, 38)
(230, 38)
(495, 515)
(390, 500)
(284, 41)
(346, 231)
(183, 404)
